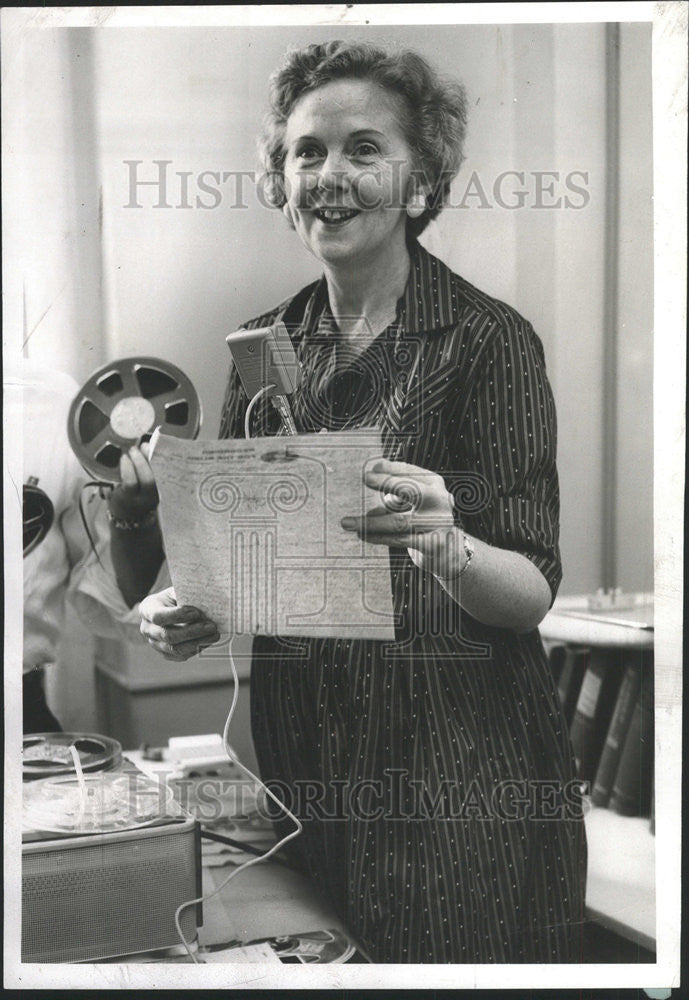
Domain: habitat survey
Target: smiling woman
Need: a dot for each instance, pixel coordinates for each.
(347, 172)
(455, 728)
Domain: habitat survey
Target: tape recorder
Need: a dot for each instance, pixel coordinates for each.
(107, 854)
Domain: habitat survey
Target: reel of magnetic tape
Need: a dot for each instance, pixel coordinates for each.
(121, 404)
(47, 755)
(85, 786)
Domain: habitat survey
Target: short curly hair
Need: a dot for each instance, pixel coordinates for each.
(433, 121)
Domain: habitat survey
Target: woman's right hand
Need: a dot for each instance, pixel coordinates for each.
(177, 632)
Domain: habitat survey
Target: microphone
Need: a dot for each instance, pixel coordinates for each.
(267, 365)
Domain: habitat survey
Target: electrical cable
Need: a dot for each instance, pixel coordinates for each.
(254, 861)
(282, 407)
(281, 404)
(102, 487)
(240, 844)
(254, 399)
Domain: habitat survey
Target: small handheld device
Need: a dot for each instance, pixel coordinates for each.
(267, 365)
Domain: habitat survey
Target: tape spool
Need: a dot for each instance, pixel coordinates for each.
(121, 404)
(98, 803)
(47, 754)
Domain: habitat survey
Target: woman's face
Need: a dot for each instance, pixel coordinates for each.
(347, 172)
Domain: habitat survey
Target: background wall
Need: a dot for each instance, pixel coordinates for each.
(91, 279)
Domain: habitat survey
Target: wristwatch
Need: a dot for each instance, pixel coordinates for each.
(146, 520)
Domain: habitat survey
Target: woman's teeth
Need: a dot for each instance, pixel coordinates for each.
(334, 214)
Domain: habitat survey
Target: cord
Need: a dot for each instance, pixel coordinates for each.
(282, 407)
(101, 487)
(281, 404)
(241, 845)
(252, 403)
(253, 861)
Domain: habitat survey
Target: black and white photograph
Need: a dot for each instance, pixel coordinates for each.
(344, 379)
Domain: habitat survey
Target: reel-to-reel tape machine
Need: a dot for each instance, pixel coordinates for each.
(107, 854)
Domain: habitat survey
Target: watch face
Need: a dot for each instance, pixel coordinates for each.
(37, 516)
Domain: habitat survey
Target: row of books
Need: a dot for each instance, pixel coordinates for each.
(607, 697)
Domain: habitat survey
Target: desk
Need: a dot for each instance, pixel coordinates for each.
(569, 620)
(620, 884)
(265, 900)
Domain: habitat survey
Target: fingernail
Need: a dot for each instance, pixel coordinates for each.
(348, 523)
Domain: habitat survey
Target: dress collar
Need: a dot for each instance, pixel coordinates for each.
(432, 299)
(430, 302)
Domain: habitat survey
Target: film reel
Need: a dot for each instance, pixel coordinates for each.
(121, 404)
(47, 754)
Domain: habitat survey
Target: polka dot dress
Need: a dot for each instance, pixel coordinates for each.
(433, 774)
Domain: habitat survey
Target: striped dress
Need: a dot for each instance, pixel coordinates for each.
(433, 774)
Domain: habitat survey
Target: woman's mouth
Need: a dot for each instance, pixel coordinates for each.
(333, 216)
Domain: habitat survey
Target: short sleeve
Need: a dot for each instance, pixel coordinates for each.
(510, 441)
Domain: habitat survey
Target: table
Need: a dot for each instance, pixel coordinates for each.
(620, 884)
(265, 900)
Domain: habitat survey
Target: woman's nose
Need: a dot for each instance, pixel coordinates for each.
(334, 173)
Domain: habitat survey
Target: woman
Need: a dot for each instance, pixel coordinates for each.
(449, 847)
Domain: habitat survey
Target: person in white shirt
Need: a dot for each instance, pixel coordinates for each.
(64, 565)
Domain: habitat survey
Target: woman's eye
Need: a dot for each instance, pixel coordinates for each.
(308, 153)
(365, 149)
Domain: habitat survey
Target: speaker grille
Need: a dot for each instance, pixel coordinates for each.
(107, 899)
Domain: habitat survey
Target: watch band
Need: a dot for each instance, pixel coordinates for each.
(147, 520)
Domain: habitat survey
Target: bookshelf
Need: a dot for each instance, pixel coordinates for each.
(620, 888)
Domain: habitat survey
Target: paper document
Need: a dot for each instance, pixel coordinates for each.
(244, 953)
(253, 537)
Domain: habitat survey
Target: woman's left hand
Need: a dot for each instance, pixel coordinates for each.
(415, 514)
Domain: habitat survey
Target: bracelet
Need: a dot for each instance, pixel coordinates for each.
(127, 524)
(469, 550)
